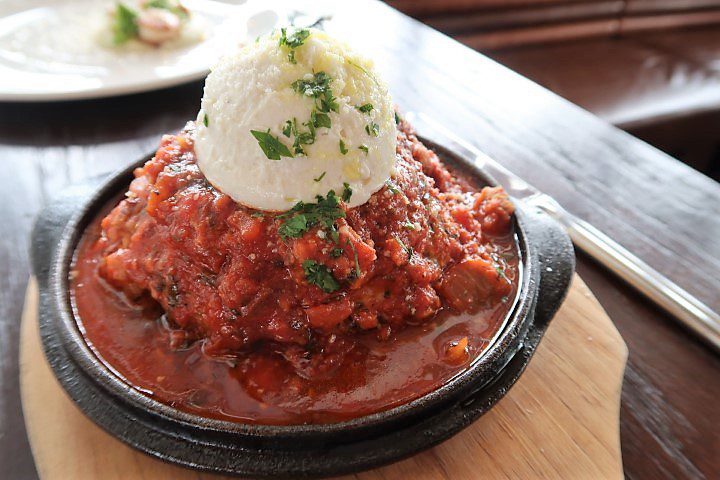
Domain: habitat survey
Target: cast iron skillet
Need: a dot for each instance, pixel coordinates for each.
(301, 450)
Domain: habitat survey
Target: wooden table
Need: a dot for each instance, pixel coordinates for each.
(662, 210)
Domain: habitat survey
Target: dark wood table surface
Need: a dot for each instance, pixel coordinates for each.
(662, 210)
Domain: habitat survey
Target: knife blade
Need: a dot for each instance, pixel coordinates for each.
(683, 306)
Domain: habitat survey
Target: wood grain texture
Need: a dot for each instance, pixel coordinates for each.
(559, 420)
(422, 8)
(652, 204)
(540, 34)
(523, 17)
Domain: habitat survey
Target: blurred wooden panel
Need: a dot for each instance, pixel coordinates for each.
(530, 16)
(499, 24)
(658, 6)
(669, 21)
(422, 8)
(502, 39)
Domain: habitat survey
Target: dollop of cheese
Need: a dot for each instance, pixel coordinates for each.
(278, 88)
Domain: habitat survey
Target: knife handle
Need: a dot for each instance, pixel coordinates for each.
(675, 300)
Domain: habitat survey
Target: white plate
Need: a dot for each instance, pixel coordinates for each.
(51, 50)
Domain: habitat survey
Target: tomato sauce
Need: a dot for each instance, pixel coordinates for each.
(203, 305)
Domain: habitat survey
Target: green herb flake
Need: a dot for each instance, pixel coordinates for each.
(364, 148)
(408, 250)
(320, 177)
(257, 215)
(124, 26)
(343, 148)
(271, 146)
(372, 129)
(206, 120)
(320, 120)
(366, 108)
(294, 227)
(392, 187)
(303, 216)
(318, 274)
(293, 41)
(319, 89)
(358, 272)
(302, 137)
(346, 193)
(290, 129)
(409, 225)
(397, 119)
(336, 252)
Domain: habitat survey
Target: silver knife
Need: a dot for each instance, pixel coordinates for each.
(683, 306)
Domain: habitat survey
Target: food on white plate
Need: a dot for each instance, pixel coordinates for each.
(153, 22)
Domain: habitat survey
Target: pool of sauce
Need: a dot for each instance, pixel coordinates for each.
(360, 375)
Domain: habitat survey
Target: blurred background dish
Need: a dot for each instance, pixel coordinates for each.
(64, 50)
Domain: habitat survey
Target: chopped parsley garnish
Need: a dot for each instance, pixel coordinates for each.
(313, 88)
(294, 227)
(372, 129)
(257, 215)
(364, 108)
(336, 252)
(343, 148)
(397, 119)
(347, 192)
(124, 25)
(317, 120)
(392, 187)
(319, 89)
(318, 274)
(409, 225)
(320, 120)
(293, 41)
(408, 250)
(206, 120)
(303, 216)
(364, 148)
(301, 137)
(271, 146)
(358, 272)
(320, 177)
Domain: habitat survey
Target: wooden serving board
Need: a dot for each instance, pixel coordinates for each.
(560, 420)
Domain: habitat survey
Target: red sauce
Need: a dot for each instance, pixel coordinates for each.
(200, 303)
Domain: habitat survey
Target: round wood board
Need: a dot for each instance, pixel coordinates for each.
(560, 420)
